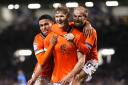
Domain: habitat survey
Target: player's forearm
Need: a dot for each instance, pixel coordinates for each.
(78, 66)
(37, 72)
(46, 56)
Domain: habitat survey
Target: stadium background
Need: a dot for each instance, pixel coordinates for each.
(18, 26)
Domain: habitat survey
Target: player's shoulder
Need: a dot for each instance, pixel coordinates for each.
(94, 31)
(39, 36)
(54, 27)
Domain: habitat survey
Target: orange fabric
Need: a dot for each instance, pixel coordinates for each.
(92, 40)
(81, 41)
(65, 55)
(43, 60)
(38, 45)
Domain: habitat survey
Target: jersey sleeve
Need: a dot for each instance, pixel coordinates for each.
(91, 40)
(42, 54)
(85, 45)
(44, 57)
(38, 45)
(80, 45)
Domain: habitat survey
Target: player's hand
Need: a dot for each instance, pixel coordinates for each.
(31, 82)
(88, 30)
(66, 80)
(53, 40)
(76, 80)
(79, 78)
(69, 36)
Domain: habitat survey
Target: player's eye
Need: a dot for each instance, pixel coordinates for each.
(56, 16)
(46, 24)
(62, 16)
(41, 25)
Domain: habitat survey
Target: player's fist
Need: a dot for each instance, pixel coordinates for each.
(69, 36)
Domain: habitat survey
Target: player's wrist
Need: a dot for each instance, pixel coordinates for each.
(33, 79)
(71, 75)
(83, 74)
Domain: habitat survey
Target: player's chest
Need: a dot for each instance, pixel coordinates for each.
(64, 45)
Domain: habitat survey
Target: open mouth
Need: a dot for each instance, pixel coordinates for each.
(45, 32)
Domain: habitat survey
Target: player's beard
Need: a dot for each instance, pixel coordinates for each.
(78, 24)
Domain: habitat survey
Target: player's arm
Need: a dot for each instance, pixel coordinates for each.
(87, 28)
(88, 69)
(86, 72)
(35, 75)
(85, 46)
(79, 65)
(91, 65)
(42, 59)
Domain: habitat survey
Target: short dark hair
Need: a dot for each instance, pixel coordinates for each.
(45, 16)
